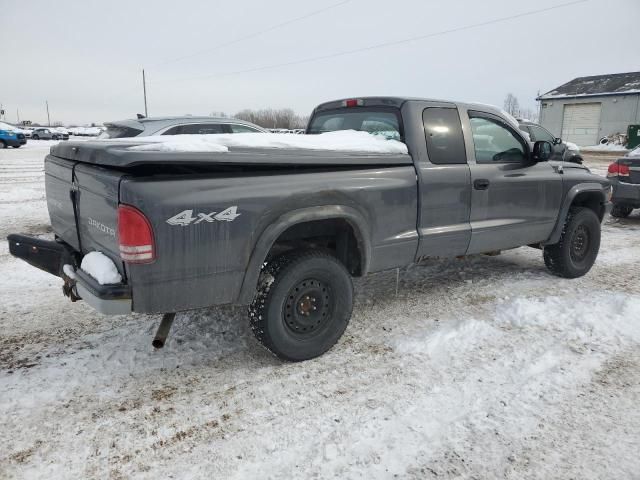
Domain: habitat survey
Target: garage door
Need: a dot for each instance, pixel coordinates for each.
(581, 123)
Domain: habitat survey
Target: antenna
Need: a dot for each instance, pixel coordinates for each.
(144, 90)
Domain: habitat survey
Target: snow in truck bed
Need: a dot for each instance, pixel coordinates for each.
(343, 140)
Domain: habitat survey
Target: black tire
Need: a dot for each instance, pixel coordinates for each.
(3, 144)
(35, 137)
(55, 137)
(575, 253)
(303, 305)
(621, 211)
(17, 146)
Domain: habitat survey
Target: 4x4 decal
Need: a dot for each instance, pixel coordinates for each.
(186, 218)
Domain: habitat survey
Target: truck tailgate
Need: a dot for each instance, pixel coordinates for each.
(90, 224)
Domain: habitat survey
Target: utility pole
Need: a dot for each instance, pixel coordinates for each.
(144, 90)
(48, 118)
(18, 115)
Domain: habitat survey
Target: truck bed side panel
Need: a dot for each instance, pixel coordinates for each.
(202, 262)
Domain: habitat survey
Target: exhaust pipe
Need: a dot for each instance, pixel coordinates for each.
(163, 330)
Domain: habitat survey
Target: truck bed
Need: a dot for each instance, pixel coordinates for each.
(203, 262)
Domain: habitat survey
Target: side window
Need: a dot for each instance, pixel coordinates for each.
(540, 133)
(495, 142)
(201, 129)
(173, 131)
(443, 132)
(236, 128)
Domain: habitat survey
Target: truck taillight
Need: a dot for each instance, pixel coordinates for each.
(618, 170)
(352, 102)
(135, 236)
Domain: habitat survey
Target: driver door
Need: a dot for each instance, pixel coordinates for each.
(514, 200)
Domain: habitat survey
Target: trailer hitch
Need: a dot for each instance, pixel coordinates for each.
(163, 330)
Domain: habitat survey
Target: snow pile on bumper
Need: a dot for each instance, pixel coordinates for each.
(100, 267)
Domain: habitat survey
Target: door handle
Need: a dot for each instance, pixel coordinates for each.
(481, 184)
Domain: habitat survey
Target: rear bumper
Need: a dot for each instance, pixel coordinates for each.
(52, 256)
(625, 193)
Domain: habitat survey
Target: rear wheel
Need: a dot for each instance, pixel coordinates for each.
(575, 253)
(303, 305)
(621, 211)
(3, 144)
(35, 137)
(17, 146)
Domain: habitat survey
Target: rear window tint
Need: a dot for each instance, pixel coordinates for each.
(381, 122)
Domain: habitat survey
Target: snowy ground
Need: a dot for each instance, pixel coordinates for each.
(479, 368)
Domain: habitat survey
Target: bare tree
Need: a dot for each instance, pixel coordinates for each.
(529, 114)
(272, 118)
(511, 105)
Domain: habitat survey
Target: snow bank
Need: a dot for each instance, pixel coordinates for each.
(605, 148)
(600, 318)
(635, 152)
(343, 140)
(100, 267)
(571, 146)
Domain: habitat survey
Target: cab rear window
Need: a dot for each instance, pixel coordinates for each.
(119, 131)
(383, 122)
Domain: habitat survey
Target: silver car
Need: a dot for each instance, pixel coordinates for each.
(44, 133)
(144, 127)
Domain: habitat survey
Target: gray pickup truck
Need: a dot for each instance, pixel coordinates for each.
(284, 230)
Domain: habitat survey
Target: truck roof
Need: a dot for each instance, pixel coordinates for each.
(397, 102)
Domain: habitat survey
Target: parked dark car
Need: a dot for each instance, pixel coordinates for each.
(624, 175)
(564, 151)
(284, 231)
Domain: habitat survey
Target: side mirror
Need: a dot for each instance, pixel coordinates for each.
(557, 141)
(542, 151)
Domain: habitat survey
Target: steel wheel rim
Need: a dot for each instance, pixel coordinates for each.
(308, 307)
(580, 242)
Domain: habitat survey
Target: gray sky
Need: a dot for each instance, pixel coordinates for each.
(85, 57)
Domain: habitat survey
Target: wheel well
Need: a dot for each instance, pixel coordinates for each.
(590, 200)
(335, 235)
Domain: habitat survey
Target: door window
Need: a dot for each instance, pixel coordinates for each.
(494, 142)
(443, 132)
(540, 133)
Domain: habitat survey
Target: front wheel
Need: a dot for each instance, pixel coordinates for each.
(17, 146)
(575, 253)
(3, 144)
(621, 211)
(303, 304)
(35, 137)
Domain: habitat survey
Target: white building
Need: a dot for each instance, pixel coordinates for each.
(588, 108)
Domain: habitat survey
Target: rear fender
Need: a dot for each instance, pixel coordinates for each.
(271, 234)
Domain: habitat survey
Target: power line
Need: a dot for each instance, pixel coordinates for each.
(379, 45)
(255, 34)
